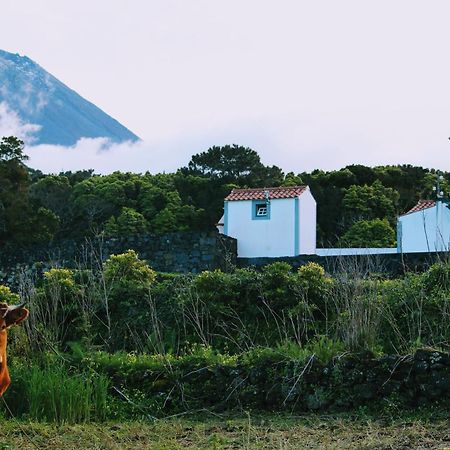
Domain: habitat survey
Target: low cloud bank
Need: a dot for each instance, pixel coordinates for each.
(99, 154)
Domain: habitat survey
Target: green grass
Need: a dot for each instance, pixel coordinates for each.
(56, 395)
(234, 432)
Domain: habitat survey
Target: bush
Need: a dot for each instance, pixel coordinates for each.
(127, 271)
(128, 306)
(8, 297)
(128, 281)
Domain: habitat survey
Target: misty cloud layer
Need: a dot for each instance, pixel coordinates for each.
(295, 143)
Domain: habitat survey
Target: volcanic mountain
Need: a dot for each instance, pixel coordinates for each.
(55, 113)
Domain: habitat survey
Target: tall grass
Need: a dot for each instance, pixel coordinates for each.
(55, 395)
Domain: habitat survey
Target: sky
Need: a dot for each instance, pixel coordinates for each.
(307, 84)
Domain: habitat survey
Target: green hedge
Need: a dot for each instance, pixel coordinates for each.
(284, 379)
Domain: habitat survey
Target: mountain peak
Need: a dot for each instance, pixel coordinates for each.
(60, 115)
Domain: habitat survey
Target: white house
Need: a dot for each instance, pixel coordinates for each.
(271, 222)
(425, 227)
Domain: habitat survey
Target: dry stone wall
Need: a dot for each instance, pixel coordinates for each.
(185, 252)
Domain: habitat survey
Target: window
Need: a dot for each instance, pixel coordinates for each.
(260, 210)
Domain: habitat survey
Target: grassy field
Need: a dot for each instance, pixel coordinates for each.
(226, 432)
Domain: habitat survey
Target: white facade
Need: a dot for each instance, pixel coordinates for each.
(268, 226)
(425, 230)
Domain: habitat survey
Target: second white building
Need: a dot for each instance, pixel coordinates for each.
(425, 228)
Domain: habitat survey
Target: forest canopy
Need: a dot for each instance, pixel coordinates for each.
(356, 204)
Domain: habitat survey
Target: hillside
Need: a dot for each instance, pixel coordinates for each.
(62, 115)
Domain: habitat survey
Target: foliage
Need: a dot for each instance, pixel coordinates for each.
(129, 223)
(55, 312)
(35, 207)
(249, 337)
(369, 202)
(7, 296)
(369, 233)
(235, 164)
(53, 194)
(52, 394)
(417, 310)
(22, 219)
(126, 271)
(128, 281)
(11, 149)
(276, 338)
(127, 306)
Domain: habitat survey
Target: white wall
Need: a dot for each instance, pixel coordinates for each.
(308, 223)
(425, 231)
(259, 238)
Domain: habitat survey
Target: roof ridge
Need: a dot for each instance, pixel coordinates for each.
(421, 204)
(271, 188)
(258, 193)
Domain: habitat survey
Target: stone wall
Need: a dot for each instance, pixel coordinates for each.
(270, 381)
(189, 252)
(175, 252)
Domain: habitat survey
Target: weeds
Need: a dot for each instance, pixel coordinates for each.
(54, 394)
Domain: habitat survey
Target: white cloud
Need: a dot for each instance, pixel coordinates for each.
(12, 125)
(295, 142)
(99, 154)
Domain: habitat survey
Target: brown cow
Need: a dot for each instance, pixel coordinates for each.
(9, 315)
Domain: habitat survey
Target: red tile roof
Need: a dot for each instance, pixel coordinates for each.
(421, 205)
(260, 193)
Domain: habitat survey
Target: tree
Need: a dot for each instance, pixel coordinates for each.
(230, 161)
(128, 223)
(234, 164)
(53, 193)
(13, 188)
(363, 174)
(369, 202)
(369, 233)
(291, 179)
(205, 195)
(21, 218)
(97, 198)
(11, 149)
(126, 272)
(411, 182)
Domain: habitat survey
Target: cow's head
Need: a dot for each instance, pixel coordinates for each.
(11, 315)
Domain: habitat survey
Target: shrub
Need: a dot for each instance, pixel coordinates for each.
(128, 281)
(6, 296)
(127, 271)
